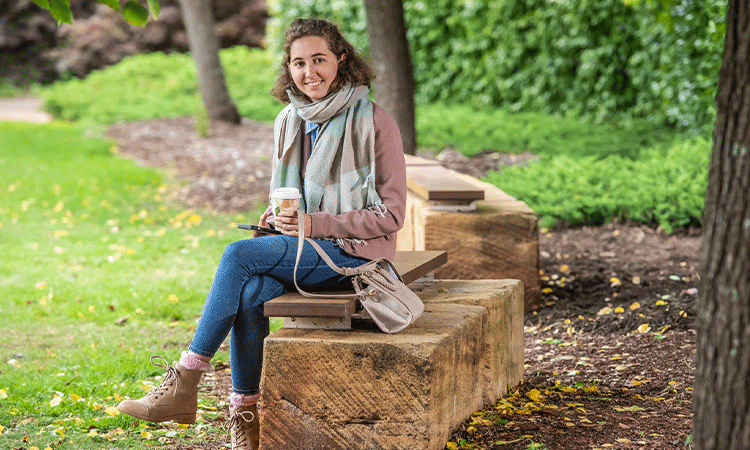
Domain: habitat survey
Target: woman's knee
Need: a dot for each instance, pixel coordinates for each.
(239, 250)
(259, 246)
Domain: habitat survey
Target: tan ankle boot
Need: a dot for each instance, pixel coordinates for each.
(175, 399)
(244, 424)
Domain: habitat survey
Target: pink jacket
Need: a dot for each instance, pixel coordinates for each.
(369, 234)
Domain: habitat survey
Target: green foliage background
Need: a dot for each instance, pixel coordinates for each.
(587, 173)
(597, 58)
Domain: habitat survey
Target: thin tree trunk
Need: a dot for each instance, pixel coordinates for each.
(204, 45)
(389, 50)
(722, 378)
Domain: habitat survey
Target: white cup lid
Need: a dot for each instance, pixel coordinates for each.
(285, 193)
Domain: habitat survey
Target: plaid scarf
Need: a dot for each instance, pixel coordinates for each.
(340, 173)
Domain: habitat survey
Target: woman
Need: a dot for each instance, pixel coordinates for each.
(345, 155)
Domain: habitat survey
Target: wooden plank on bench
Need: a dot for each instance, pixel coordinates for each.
(438, 183)
(411, 265)
(294, 304)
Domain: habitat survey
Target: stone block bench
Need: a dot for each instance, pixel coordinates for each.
(487, 233)
(363, 389)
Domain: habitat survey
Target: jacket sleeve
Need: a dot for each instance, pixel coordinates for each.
(390, 183)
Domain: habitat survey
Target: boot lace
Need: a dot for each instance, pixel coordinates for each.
(169, 377)
(238, 427)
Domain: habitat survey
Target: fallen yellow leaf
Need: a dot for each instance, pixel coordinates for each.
(112, 411)
(635, 306)
(535, 395)
(60, 233)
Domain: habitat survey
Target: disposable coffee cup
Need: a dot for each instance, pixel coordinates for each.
(285, 198)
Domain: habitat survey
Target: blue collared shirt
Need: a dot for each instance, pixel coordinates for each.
(312, 129)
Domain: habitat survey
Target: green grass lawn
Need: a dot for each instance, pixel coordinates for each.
(99, 273)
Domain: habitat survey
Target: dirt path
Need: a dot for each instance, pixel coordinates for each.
(23, 109)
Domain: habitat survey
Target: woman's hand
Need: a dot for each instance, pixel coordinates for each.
(288, 224)
(261, 223)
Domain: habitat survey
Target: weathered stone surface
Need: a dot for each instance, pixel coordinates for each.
(503, 299)
(368, 390)
(500, 240)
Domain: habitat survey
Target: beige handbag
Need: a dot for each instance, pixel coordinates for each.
(377, 285)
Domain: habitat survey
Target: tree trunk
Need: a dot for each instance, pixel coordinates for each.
(722, 377)
(389, 50)
(204, 45)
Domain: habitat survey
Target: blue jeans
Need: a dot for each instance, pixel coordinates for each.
(250, 273)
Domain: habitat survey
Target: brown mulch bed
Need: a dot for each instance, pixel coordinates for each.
(609, 355)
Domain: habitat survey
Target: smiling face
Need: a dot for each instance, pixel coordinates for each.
(313, 66)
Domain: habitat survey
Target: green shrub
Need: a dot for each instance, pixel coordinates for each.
(599, 58)
(664, 187)
(472, 130)
(156, 85)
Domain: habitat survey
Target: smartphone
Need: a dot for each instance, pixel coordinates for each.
(257, 228)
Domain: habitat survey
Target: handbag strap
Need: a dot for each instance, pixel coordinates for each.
(346, 271)
(300, 244)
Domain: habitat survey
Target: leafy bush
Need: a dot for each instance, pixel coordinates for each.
(471, 130)
(599, 58)
(663, 186)
(156, 85)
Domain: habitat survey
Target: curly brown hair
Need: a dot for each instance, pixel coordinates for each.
(352, 70)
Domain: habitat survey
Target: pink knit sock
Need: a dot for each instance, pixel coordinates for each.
(237, 400)
(190, 362)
